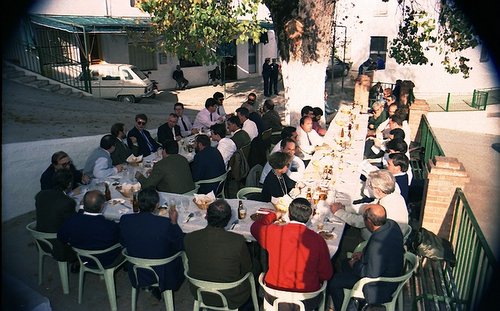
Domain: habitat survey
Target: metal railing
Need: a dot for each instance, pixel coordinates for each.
(476, 264)
(429, 148)
(49, 64)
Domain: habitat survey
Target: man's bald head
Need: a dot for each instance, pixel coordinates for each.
(93, 201)
(374, 215)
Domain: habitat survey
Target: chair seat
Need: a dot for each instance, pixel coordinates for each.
(296, 298)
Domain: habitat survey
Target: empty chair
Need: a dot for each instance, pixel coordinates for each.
(356, 292)
(220, 179)
(90, 263)
(253, 176)
(291, 297)
(45, 247)
(215, 289)
(148, 264)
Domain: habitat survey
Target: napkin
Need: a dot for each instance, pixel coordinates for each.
(282, 203)
(204, 198)
(134, 159)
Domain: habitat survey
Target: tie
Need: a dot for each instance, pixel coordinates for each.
(147, 141)
(173, 133)
(184, 124)
(308, 139)
(211, 117)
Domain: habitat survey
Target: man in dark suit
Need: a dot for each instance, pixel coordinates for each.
(61, 160)
(53, 207)
(169, 130)
(217, 255)
(91, 231)
(122, 150)
(171, 174)
(382, 256)
(141, 138)
(147, 235)
(208, 163)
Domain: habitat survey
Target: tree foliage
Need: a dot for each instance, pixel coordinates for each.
(450, 35)
(195, 29)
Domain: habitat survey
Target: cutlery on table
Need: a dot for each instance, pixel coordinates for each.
(235, 222)
(191, 215)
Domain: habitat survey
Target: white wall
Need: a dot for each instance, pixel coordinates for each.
(382, 19)
(114, 8)
(24, 163)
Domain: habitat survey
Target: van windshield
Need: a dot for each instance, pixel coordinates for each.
(139, 73)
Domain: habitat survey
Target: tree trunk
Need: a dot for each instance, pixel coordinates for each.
(304, 32)
(304, 85)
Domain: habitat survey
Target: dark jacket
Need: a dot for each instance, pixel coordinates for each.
(141, 141)
(149, 236)
(208, 163)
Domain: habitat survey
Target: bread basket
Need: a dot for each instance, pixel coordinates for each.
(203, 205)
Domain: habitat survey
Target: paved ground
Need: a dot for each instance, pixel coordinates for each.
(31, 114)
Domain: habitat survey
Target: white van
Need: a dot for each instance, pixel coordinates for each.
(119, 81)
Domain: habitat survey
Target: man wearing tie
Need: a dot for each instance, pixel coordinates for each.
(143, 141)
(183, 121)
(208, 116)
(169, 130)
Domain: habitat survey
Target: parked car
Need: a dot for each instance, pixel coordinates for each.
(119, 81)
(340, 68)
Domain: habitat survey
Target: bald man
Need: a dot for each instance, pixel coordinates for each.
(90, 230)
(382, 256)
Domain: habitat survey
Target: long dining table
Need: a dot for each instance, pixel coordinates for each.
(340, 184)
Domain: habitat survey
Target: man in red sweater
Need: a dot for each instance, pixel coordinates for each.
(299, 260)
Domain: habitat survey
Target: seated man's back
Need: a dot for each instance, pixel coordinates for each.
(219, 256)
(103, 233)
(292, 264)
(147, 235)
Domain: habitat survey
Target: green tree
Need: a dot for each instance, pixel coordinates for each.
(194, 29)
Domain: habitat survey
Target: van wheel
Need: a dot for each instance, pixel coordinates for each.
(127, 99)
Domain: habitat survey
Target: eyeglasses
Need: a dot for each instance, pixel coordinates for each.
(141, 122)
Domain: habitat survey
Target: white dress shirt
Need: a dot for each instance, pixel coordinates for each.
(307, 144)
(226, 147)
(251, 128)
(203, 119)
(185, 132)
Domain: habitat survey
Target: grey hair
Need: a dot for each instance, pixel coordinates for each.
(383, 180)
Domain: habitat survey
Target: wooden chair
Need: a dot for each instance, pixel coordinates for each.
(411, 264)
(45, 248)
(148, 264)
(216, 288)
(291, 297)
(221, 186)
(89, 256)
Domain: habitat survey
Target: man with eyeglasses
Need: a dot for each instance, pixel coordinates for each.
(169, 130)
(61, 160)
(141, 138)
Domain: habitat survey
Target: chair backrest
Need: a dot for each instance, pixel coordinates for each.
(266, 135)
(148, 264)
(253, 176)
(84, 255)
(220, 179)
(410, 266)
(244, 193)
(42, 239)
(215, 288)
(292, 297)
